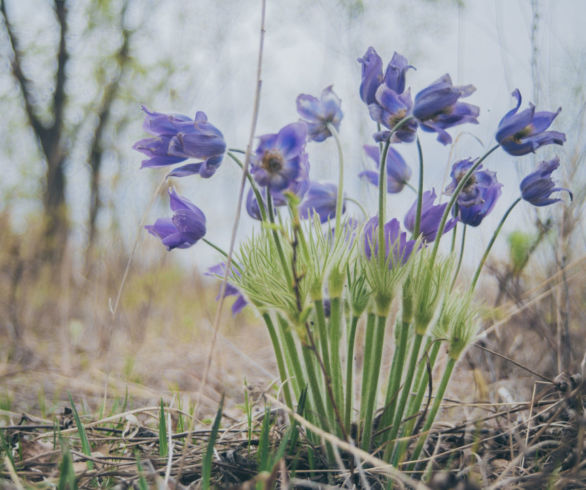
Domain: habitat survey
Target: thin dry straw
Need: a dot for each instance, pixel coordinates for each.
(227, 269)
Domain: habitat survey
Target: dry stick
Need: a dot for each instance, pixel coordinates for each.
(378, 464)
(218, 315)
(544, 378)
(114, 307)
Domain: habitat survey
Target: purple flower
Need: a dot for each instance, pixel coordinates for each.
(431, 216)
(184, 229)
(219, 270)
(437, 107)
(538, 186)
(280, 158)
(390, 108)
(477, 197)
(372, 75)
(318, 113)
(398, 173)
(398, 248)
(178, 138)
(522, 133)
(321, 199)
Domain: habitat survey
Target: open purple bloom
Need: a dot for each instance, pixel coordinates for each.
(178, 138)
(522, 133)
(390, 108)
(398, 173)
(321, 199)
(538, 186)
(437, 107)
(318, 113)
(219, 270)
(280, 158)
(184, 229)
(431, 215)
(372, 75)
(398, 248)
(477, 197)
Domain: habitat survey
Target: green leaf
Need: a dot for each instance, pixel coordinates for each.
(85, 443)
(163, 447)
(207, 459)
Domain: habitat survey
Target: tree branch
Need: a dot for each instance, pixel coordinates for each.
(59, 96)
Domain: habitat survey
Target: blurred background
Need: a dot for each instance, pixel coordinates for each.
(73, 198)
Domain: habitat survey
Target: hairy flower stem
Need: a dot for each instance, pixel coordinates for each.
(292, 356)
(277, 239)
(419, 192)
(350, 373)
(340, 196)
(280, 361)
(376, 353)
(492, 240)
(435, 407)
(335, 329)
(322, 330)
(460, 257)
(253, 186)
(421, 380)
(405, 391)
(366, 367)
(382, 191)
(452, 201)
(395, 376)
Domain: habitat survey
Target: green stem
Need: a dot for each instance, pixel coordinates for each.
(435, 407)
(454, 238)
(405, 391)
(395, 376)
(280, 361)
(323, 343)
(335, 330)
(309, 359)
(366, 367)
(419, 192)
(293, 356)
(460, 257)
(492, 240)
(277, 239)
(456, 193)
(340, 196)
(373, 383)
(354, 201)
(254, 187)
(350, 373)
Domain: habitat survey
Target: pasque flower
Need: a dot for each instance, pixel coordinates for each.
(397, 248)
(320, 198)
(438, 108)
(538, 186)
(398, 173)
(219, 270)
(318, 113)
(280, 158)
(184, 229)
(372, 74)
(389, 109)
(477, 197)
(431, 215)
(520, 133)
(178, 138)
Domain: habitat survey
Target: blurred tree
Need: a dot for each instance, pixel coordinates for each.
(50, 126)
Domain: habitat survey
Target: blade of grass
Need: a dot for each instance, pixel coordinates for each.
(142, 483)
(207, 460)
(163, 447)
(67, 479)
(263, 443)
(85, 443)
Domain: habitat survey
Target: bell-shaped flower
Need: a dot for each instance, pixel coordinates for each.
(398, 173)
(280, 158)
(184, 229)
(320, 198)
(318, 113)
(478, 196)
(520, 133)
(538, 186)
(397, 248)
(372, 75)
(219, 270)
(389, 109)
(178, 138)
(431, 215)
(438, 108)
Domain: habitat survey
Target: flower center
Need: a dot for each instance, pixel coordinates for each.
(272, 162)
